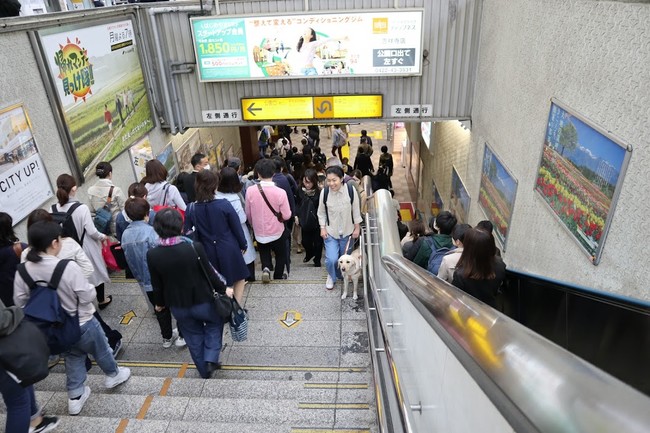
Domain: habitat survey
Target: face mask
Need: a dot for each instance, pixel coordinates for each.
(207, 167)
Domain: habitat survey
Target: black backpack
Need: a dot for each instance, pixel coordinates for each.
(44, 309)
(64, 219)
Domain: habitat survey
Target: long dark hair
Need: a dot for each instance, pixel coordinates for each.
(302, 39)
(229, 182)
(40, 236)
(312, 176)
(205, 186)
(479, 255)
(154, 171)
(7, 236)
(38, 215)
(64, 184)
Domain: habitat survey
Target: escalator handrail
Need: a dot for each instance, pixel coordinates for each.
(553, 389)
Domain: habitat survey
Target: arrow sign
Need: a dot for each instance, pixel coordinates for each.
(127, 317)
(324, 106)
(290, 318)
(252, 110)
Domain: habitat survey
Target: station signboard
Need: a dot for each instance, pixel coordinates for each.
(376, 43)
(312, 107)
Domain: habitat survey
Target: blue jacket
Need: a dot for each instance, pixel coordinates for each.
(122, 222)
(138, 238)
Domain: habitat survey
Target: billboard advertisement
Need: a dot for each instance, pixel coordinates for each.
(24, 184)
(580, 176)
(100, 87)
(316, 45)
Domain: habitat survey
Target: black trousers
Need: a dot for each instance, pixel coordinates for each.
(279, 248)
(313, 244)
(164, 318)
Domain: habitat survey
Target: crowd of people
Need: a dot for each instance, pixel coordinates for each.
(184, 241)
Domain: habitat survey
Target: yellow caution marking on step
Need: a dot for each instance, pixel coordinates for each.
(352, 406)
(121, 427)
(329, 430)
(145, 407)
(165, 386)
(245, 367)
(336, 385)
(181, 372)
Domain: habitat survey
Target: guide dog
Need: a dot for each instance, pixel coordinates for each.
(350, 265)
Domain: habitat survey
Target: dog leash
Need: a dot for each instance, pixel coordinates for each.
(348, 244)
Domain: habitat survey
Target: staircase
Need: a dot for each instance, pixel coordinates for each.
(305, 368)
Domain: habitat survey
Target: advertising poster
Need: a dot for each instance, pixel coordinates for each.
(436, 204)
(497, 194)
(141, 153)
(315, 45)
(460, 200)
(24, 184)
(187, 149)
(580, 176)
(168, 159)
(100, 86)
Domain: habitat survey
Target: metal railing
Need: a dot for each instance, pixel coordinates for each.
(425, 334)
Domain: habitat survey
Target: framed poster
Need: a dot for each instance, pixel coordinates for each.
(497, 194)
(99, 86)
(187, 150)
(168, 159)
(141, 153)
(436, 204)
(580, 176)
(24, 185)
(459, 200)
(259, 47)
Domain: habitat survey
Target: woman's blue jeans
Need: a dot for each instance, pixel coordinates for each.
(202, 329)
(20, 402)
(335, 248)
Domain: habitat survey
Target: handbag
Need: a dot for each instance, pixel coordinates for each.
(277, 214)
(109, 258)
(28, 362)
(164, 204)
(103, 215)
(238, 322)
(221, 302)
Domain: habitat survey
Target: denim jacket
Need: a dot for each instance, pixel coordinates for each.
(138, 238)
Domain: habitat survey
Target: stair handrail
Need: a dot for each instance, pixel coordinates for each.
(535, 384)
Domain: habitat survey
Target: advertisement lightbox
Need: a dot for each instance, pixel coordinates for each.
(377, 43)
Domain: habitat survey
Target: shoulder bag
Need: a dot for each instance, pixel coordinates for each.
(103, 215)
(222, 303)
(277, 214)
(28, 362)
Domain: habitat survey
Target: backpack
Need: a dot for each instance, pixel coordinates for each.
(350, 193)
(64, 219)
(307, 214)
(435, 259)
(44, 309)
(264, 136)
(103, 215)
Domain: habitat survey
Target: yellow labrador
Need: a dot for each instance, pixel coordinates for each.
(350, 265)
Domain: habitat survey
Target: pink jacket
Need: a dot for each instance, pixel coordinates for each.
(265, 224)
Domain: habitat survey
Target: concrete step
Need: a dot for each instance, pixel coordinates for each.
(217, 410)
(300, 391)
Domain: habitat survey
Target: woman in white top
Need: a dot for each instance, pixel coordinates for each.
(91, 238)
(159, 191)
(98, 193)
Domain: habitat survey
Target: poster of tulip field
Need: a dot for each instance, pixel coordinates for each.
(580, 176)
(497, 194)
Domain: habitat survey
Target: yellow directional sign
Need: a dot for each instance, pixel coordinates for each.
(127, 317)
(297, 108)
(312, 107)
(357, 106)
(290, 318)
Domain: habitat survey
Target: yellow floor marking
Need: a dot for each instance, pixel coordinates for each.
(145, 407)
(181, 372)
(121, 427)
(329, 430)
(165, 387)
(356, 406)
(336, 385)
(244, 367)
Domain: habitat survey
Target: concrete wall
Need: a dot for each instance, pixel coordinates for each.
(593, 56)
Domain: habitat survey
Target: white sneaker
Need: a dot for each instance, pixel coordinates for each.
(329, 285)
(167, 343)
(123, 374)
(75, 406)
(180, 342)
(266, 276)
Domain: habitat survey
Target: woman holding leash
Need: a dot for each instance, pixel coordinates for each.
(339, 216)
